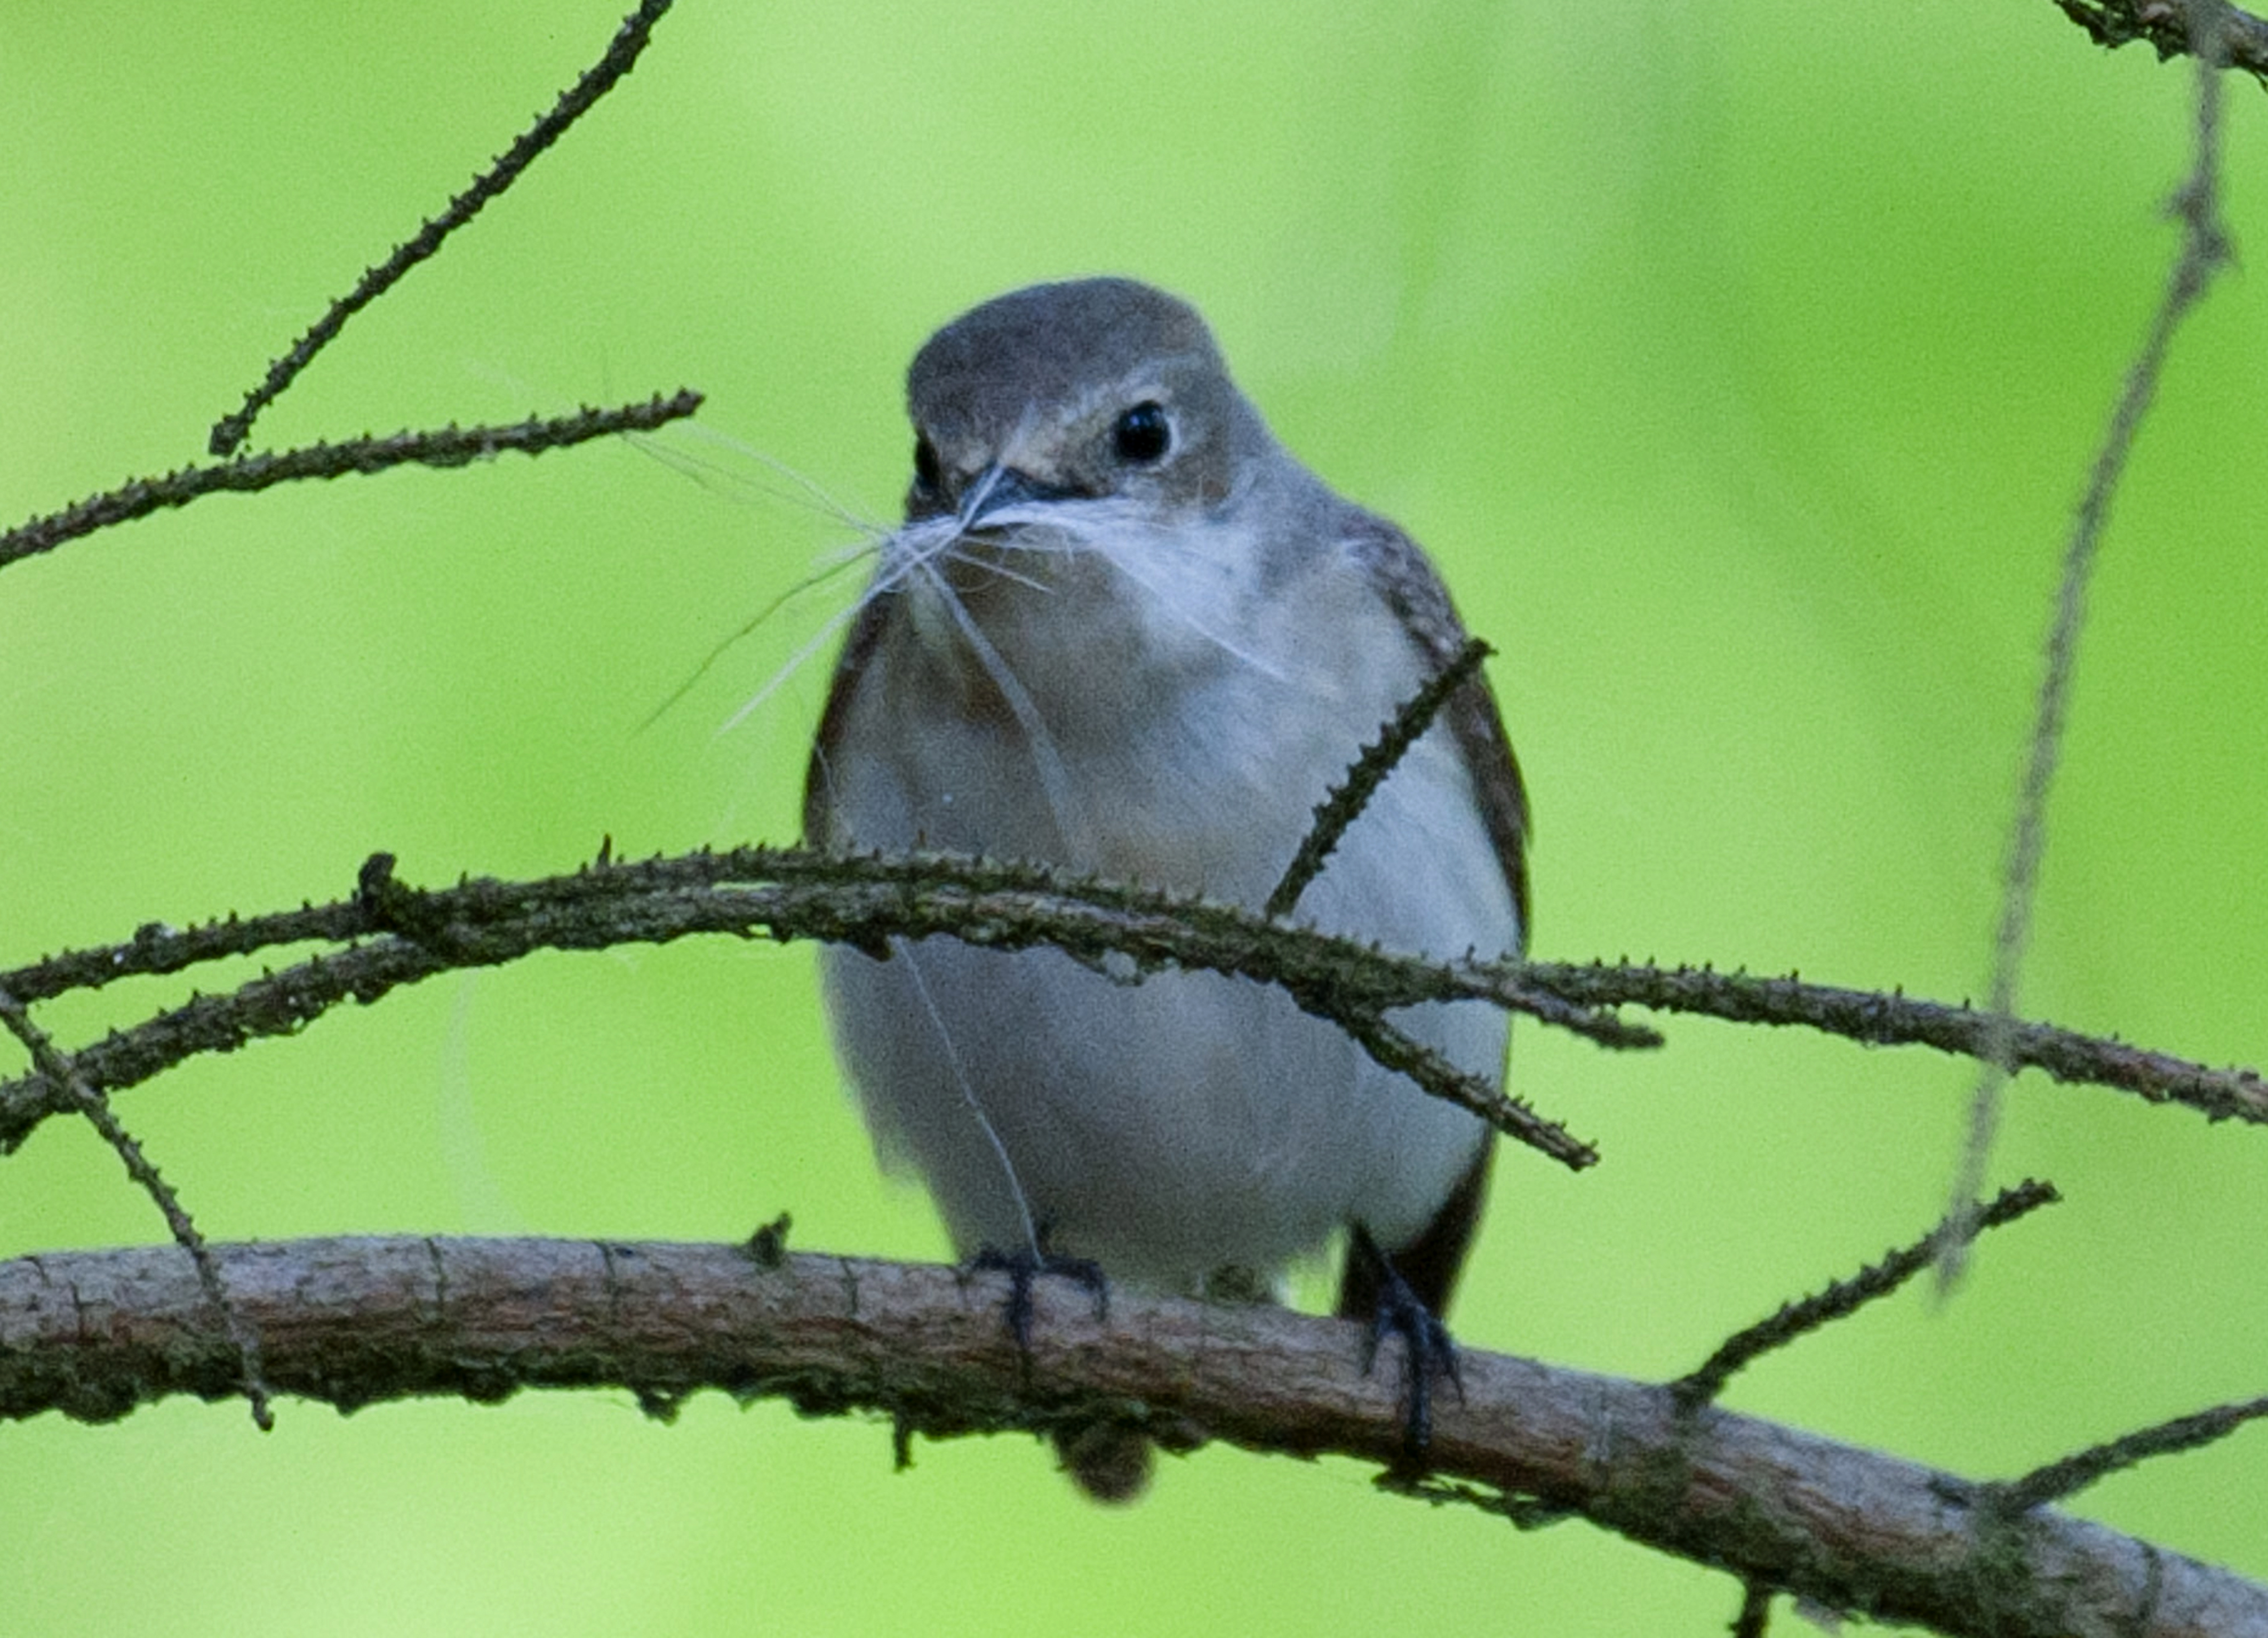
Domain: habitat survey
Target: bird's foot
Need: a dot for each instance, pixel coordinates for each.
(1428, 1354)
(1024, 1266)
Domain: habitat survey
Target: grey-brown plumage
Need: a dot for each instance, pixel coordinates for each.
(1123, 631)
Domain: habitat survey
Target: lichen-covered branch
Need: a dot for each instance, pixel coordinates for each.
(2166, 25)
(786, 894)
(358, 1322)
(62, 1072)
(1893, 1018)
(2204, 249)
(442, 446)
(396, 935)
(621, 56)
(1795, 1320)
(1346, 800)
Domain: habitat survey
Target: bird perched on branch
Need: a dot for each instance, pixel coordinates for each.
(1124, 632)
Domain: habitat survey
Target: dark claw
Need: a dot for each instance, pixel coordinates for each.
(1024, 1266)
(1428, 1352)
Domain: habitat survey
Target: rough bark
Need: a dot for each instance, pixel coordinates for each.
(355, 1322)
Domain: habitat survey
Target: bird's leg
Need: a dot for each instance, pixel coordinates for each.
(1025, 1265)
(1427, 1351)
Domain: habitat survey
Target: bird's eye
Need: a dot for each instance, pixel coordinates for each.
(1143, 434)
(926, 473)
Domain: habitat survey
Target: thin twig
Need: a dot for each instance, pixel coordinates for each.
(1844, 1297)
(229, 433)
(867, 901)
(1396, 1049)
(53, 1062)
(2205, 246)
(2111, 24)
(448, 446)
(158, 950)
(1343, 803)
(2074, 1474)
(1893, 1018)
(414, 935)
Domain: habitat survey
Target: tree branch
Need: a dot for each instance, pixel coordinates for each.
(2205, 247)
(446, 446)
(1893, 1018)
(357, 1322)
(414, 935)
(2165, 24)
(59, 1068)
(400, 934)
(621, 54)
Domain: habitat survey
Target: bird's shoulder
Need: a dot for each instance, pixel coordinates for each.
(1403, 576)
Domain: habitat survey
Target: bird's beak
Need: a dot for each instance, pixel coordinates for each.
(997, 488)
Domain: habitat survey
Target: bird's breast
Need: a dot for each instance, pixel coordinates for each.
(1118, 722)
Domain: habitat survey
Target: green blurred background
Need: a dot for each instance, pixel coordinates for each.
(1741, 364)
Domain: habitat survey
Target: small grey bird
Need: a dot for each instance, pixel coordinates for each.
(1123, 631)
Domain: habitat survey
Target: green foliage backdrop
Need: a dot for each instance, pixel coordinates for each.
(1740, 364)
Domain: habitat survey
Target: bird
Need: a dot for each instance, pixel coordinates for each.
(1123, 632)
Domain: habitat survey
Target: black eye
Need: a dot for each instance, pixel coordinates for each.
(925, 467)
(1143, 434)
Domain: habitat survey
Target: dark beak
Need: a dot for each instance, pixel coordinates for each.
(998, 488)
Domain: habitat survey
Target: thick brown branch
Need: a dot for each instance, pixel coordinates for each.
(356, 1322)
